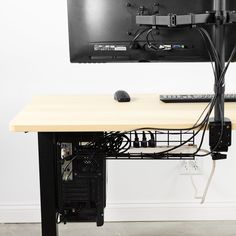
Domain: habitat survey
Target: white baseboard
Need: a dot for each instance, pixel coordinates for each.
(19, 213)
(171, 212)
(134, 212)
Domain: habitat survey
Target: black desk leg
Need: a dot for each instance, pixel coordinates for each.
(47, 183)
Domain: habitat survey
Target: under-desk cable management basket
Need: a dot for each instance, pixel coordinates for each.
(157, 145)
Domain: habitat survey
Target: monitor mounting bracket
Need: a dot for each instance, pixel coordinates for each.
(174, 20)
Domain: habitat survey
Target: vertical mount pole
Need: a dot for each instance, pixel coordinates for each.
(220, 130)
(219, 41)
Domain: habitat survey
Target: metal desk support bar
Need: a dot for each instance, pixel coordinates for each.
(219, 41)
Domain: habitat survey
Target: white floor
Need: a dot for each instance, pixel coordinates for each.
(205, 228)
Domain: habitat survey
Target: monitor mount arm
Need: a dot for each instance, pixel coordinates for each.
(219, 17)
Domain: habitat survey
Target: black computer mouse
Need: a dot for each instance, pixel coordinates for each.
(121, 96)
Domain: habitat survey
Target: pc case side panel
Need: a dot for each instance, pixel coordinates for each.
(81, 180)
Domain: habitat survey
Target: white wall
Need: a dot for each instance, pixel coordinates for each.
(34, 60)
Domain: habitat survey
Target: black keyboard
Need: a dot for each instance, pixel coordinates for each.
(192, 98)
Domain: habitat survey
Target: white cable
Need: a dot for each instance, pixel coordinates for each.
(203, 198)
(195, 188)
(209, 181)
(204, 151)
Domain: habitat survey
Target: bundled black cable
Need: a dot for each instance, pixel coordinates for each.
(110, 144)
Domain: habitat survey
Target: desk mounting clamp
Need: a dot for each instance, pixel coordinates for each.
(220, 138)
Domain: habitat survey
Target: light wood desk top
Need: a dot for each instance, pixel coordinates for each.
(102, 113)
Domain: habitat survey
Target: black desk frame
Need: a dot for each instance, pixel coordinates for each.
(51, 186)
(47, 171)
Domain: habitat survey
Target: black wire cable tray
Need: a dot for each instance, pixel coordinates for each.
(161, 142)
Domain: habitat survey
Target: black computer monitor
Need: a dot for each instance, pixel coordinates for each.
(104, 31)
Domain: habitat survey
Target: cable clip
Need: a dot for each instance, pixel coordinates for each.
(173, 20)
(232, 17)
(219, 89)
(193, 20)
(141, 10)
(221, 17)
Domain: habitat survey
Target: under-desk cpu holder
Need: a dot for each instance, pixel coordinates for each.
(81, 184)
